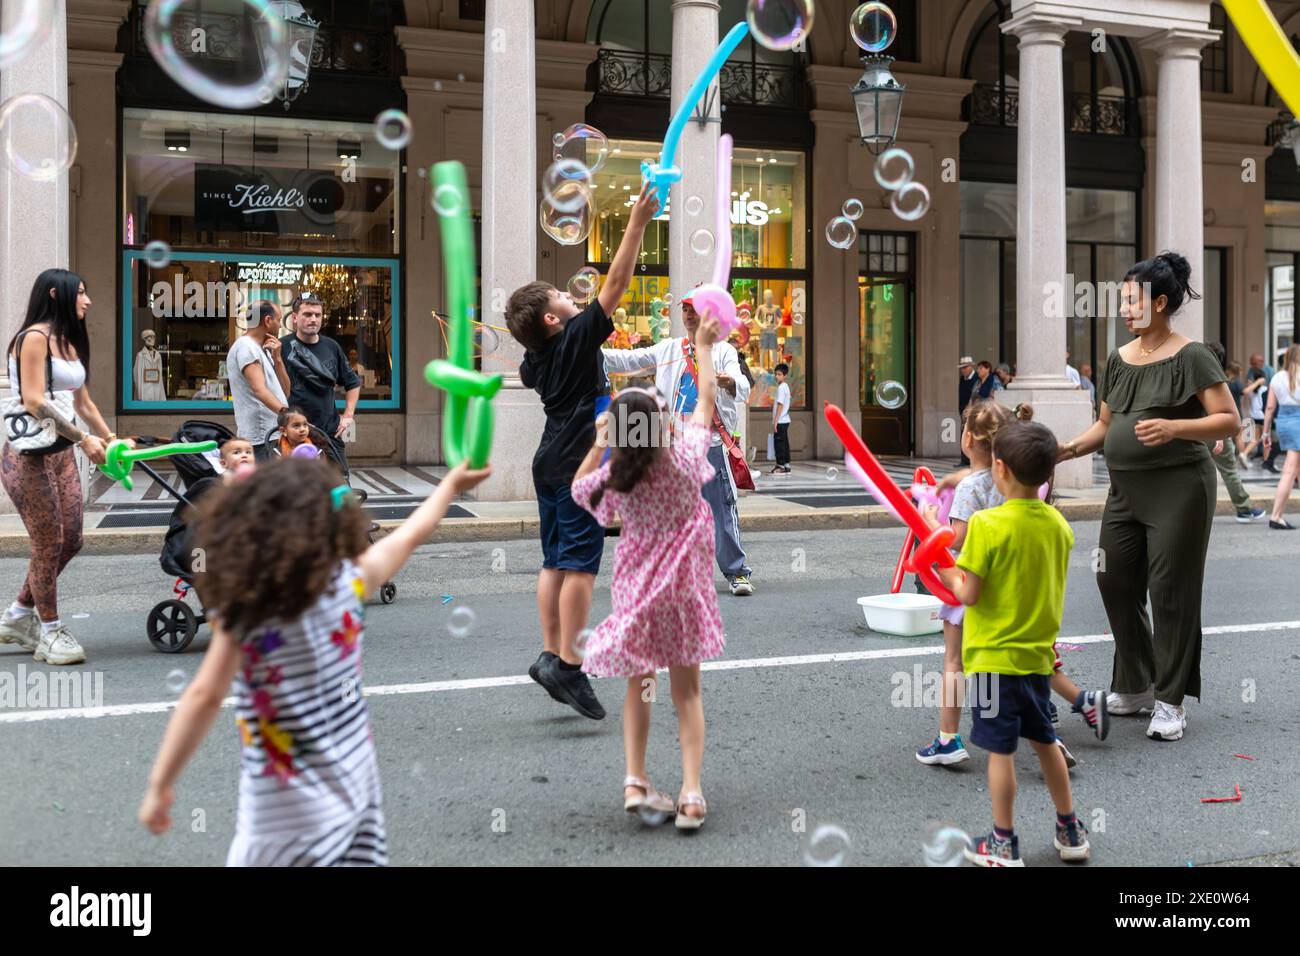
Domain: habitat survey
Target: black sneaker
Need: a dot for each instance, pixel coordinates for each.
(535, 672)
(571, 687)
(1282, 525)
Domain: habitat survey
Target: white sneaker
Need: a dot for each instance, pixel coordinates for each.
(1125, 705)
(1070, 761)
(23, 631)
(1167, 723)
(59, 647)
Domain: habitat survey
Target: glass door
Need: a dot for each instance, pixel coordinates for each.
(885, 290)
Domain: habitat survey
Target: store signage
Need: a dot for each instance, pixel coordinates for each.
(749, 213)
(269, 273)
(274, 200)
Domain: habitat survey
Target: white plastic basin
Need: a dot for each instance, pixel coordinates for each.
(906, 615)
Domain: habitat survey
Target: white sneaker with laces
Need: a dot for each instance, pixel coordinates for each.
(740, 586)
(1125, 705)
(59, 647)
(23, 631)
(1167, 723)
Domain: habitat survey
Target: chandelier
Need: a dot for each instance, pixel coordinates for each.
(334, 285)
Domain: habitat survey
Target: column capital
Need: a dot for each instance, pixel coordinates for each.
(1179, 43)
(1035, 27)
(713, 5)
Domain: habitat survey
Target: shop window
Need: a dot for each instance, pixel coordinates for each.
(1216, 74)
(253, 209)
(769, 256)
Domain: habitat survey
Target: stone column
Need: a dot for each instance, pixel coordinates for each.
(509, 209)
(695, 37)
(1040, 239)
(33, 215)
(1179, 225)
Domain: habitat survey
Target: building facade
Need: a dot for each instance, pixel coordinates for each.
(260, 203)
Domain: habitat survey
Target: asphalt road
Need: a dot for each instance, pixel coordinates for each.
(480, 766)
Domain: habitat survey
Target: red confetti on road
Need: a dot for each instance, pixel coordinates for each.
(1244, 756)
(1235, 798)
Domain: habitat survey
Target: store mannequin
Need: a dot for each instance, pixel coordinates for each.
(622, 337)
(149, 385)
(768, 317)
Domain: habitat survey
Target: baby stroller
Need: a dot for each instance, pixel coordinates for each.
(172, 624)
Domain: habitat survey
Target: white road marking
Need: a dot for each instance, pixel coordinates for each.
(481, 683)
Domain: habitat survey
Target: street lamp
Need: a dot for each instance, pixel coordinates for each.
(301, 38)
(1290, 137)
(878, 99)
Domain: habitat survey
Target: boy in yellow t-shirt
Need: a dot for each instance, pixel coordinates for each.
(1011, 577)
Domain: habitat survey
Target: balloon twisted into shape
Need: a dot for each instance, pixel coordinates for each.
(467, 418)
(712, 298)
(119, 456)
(1269, 46)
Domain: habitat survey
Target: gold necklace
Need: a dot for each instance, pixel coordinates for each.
(1146, 352)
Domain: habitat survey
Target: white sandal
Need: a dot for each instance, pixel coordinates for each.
(684, 820)
(651, 801)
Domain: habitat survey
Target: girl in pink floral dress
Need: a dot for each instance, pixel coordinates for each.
(665, 607)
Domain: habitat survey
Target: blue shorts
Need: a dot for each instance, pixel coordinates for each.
(572, 538)
(1006, 707)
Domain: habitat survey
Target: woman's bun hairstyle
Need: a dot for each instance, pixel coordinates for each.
(1168, 274)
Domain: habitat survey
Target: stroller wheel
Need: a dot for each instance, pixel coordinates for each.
(171, 626)
(388, 592)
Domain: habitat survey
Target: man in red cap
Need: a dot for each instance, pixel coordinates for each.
(673, 361)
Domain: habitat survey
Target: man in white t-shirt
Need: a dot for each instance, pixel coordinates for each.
(781, 420)
(259, 380)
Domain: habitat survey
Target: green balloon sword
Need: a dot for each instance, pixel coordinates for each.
(467, 418)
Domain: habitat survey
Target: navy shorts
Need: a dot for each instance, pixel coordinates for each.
(572, 538)
(1006, 707)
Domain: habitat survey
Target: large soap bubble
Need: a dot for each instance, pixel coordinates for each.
(873, 27)
(24, 25)
(568, 227)
(780, 24)
(588, 145)
(37, 136)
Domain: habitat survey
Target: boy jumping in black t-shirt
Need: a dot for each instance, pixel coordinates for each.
(562, 362)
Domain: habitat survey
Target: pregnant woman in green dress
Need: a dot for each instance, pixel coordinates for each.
(1163, 401)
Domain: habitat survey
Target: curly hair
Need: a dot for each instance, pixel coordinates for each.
(272, 542)
(628, 464)
(983, 418)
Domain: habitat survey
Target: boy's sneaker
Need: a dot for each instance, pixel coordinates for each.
(1167, 723)
(1094, 712)
(535, 672)
(741, 586)
(59, 647)
(943, 754)
(570, 687)
(990, 851)
(1053, 714)
(1247, 515)
(1124, 705)
(1070, 761)
(1072, 841)
(23, 631)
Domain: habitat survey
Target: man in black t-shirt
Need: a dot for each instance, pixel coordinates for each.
(316, 365)
(563, 363)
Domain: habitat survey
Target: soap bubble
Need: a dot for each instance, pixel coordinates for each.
(841, 233)
(157, 254)
(580, 642)
(461, 623)
(38, 136)
(780, 24)
(911, 202)
(894, 168)
(797, 319)
(24, 25)
(393, 129)
(176, 681)
(694, 205)
(890, 394)
(702, 242)
(584, 143)
(251, 80)
(873, 27)
(832, 474)
(668, 298)
(568, 227)
(584, 284)
(943, 845)
(557, 183)
(652, 817)
(489, 340)
(447, 200)
(827, 845)
(852, 209)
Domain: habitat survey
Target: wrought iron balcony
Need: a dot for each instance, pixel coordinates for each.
(625, 73)
(989, 105)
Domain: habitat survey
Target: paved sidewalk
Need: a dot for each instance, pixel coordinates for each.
(817, 495)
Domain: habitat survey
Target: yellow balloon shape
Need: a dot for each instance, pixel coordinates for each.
(1269, 46)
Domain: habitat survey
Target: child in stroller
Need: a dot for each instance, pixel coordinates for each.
(172, 624)
(293, 431)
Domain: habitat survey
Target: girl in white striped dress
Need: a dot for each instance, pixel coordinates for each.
(287, 568)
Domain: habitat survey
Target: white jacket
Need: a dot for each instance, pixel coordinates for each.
(669, 364)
